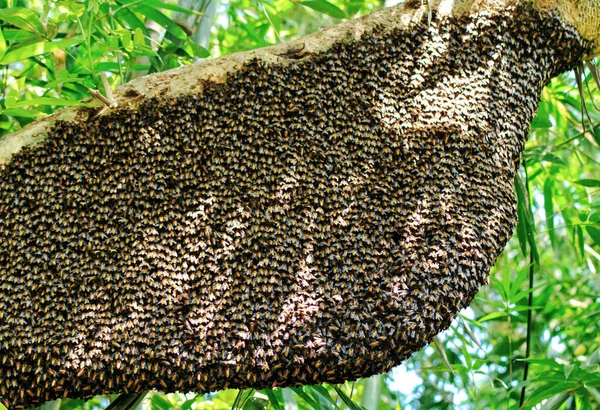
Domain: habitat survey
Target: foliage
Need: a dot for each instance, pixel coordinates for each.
(52, 52)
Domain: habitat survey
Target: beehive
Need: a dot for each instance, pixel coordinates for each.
(311, 222)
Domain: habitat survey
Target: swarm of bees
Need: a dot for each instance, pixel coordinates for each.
(307, 223)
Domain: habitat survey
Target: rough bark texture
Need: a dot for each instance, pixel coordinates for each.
(316, 217)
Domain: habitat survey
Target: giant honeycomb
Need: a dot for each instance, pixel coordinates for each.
(312, 222)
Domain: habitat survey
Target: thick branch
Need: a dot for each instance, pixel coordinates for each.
(191, 79)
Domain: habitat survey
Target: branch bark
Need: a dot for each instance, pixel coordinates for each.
(191, 79)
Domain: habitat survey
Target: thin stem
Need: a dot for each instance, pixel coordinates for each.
(530, 299)
(270, 22)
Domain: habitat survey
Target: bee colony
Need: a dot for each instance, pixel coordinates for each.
(317, 221)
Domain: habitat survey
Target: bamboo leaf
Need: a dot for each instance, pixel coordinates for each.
(590, 183)
(547, 392)
(300, 392)
(322, 391)
(549, 210)
(347, 400)
(354, 6)
(154, 14)
(580, 240)
(442, 351)
(549, 157)
(493, 315)
(594, 393)
(23, 18)
(520, 295)
(37, 48)
(470, 332)
(325, 7)
(273, 399)
(594, 234)
(21, 112)
(2, 44)
(48, 101)
(161, 5)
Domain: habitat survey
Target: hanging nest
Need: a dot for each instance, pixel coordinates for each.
(314, 221)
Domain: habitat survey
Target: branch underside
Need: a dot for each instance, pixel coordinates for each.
(318, 221)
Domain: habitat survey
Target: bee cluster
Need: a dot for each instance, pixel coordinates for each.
(312, 222)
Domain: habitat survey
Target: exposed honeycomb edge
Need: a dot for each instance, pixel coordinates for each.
(193, 78)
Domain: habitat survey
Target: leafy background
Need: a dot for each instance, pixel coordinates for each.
(540, 314)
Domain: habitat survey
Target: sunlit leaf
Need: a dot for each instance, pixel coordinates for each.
(37, 48)
(24, 18)
(2, 44)
(21, 112)
(162, 5)
(48, 101)
(493, 315)
(325, 7)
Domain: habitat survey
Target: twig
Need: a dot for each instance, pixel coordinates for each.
(98, 95)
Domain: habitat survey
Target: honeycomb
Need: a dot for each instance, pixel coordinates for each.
(312, 222)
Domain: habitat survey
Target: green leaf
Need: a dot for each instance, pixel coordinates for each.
(158, 401)
(48, 101)
(541, 122)
(520, 295)
(138, 37)
(18, 35)
(521, 226)
(594, 393)
(549, 391)
(549, 210)
(548, 157)
(493, 315)
(322, 391)
(354, 6)
(441, 349)
(199, 51)
(23, 18)
(300, 392)
(131, 19)
(2, 44)
(580, 240)
(273, 399)
(160, 5)
(347, 400)
(594, 234)
(125, 36)
(590, 183)
(515, 284)
(152, 13)
(37, 48)
(21, 112)
(325, 7)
